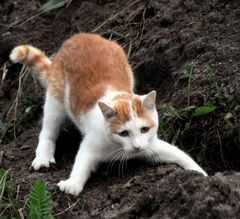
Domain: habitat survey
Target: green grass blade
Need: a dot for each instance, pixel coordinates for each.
(203, 110)
(52, 5)
(3, 182)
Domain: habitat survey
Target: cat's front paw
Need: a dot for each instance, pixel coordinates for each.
(197, 169)
(71, 186)
(202, 171)
(39, 162)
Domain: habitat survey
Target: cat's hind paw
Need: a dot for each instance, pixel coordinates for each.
(70, 186)
(39, 162)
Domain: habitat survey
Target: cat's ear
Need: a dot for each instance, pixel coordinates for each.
(107, 110)
(148, 101)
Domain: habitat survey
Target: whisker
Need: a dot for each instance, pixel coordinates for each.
(156, 156)
(119, 167)
(148, 155)
(126, 159)
(151, 155)
(118, 149)
(113, 156)
(152, 158)
(114, 159)
(123, 163)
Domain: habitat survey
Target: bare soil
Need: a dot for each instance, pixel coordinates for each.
(161, 38)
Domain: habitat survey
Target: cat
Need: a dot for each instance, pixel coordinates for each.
(90, 80)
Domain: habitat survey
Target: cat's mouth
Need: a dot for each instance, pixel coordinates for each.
(132, 151)
(136, 152)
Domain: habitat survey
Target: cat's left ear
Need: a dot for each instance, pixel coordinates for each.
(107, 111)
(149, 100)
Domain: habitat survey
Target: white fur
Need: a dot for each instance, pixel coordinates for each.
(168, 153)
(99, 144)
(53, 117)
(14, 55)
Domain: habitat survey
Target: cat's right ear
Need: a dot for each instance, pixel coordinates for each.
(149, 100)
(107, 110)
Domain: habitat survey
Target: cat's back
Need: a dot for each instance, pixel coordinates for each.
(94, 58)
(90, 65)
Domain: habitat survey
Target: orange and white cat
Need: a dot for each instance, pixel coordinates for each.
(90, 81)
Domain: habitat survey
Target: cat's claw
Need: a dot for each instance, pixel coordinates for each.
(39, 162)
(197, 168)
(200, 170)
(70, 186)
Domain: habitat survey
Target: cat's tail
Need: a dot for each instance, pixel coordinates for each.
(35, 59)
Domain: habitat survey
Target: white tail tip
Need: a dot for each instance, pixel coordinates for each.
(16, 55)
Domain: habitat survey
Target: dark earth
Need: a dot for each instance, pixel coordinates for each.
(162, 39)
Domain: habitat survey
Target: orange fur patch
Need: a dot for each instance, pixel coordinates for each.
(34, 59)
(137, 107)
(56, 81)
(123, 96)
(23, 51)
(122, 108)
(90, 65)
(37, 58)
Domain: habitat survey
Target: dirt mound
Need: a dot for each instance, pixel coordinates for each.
(139, 190)
(188, 195)
(163, 39)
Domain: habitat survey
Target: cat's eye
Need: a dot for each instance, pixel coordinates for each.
(145, 129)
(124, 133)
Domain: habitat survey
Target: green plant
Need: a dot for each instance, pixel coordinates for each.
(48, 6)
(223, 96)
(13, 109)
(180, 119)
(53, 5)
(190, 73)
(227, 119)
(169, 118)
(218, 93)
(40, 203)
(203, 111)
(23, 112)
(9, 203)
(232, 117)
(209, 75)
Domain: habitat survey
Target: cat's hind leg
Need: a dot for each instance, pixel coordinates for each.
(52, 119)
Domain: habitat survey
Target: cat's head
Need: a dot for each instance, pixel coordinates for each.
(131, 121)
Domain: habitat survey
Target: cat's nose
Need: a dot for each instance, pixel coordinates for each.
(136, 147)
(136, 144)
